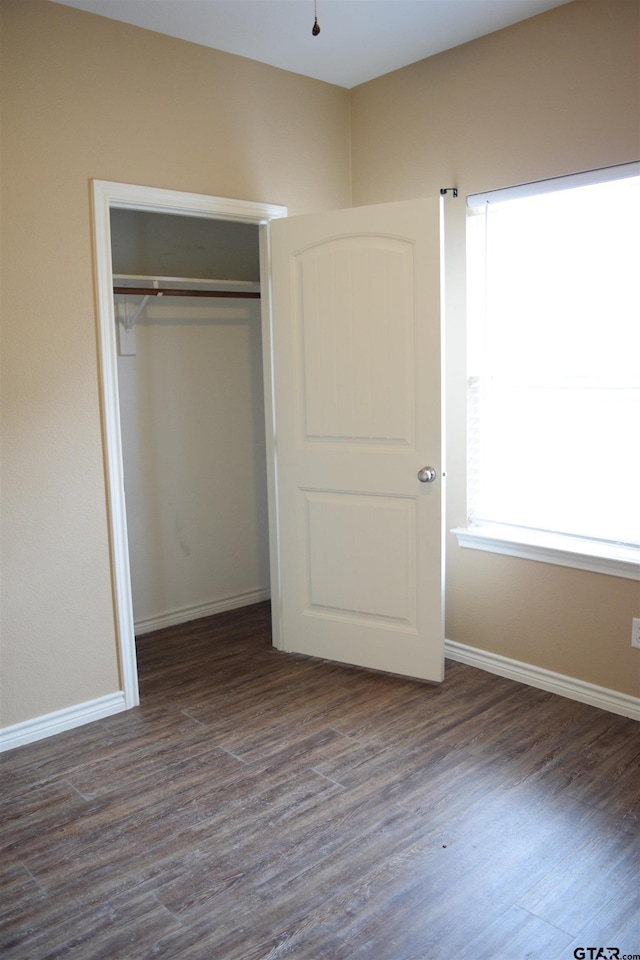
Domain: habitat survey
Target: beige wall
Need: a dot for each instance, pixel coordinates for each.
(85, 97)
(553, 95)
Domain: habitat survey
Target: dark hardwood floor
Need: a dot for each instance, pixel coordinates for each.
(261, 806)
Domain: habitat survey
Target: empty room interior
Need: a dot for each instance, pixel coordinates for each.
(255, 700)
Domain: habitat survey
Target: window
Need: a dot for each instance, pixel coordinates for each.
(554, 371)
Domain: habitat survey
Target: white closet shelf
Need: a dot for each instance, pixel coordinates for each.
(145, 286)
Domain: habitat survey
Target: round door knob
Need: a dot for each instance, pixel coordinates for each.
(427, 475)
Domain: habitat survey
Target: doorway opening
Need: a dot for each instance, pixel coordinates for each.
(168, 589)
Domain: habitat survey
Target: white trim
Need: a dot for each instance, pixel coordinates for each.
(106, 196)
(133, 196)
(616, 560)
(198, 610)
(583, 179)
(558, 683)
(50, 724)
(108, 354)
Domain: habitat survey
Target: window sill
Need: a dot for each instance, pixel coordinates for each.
(616, 560)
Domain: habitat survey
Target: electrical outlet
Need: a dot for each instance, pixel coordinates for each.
(635, 632)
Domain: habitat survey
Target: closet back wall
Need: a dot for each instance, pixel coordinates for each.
(192, 416)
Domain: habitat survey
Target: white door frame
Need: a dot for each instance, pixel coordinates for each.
(107, 196)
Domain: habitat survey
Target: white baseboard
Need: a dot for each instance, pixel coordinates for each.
(51, 723)
(605, 699)
(183, 615)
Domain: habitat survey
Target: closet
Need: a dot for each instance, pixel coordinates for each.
(187, 307)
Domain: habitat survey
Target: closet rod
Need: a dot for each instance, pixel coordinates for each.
(155, 292)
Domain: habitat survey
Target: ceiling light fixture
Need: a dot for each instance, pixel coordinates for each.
(315, 30)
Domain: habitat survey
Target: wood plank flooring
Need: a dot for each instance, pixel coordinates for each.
(261, 806)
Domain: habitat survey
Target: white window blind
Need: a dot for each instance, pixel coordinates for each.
(554, 356)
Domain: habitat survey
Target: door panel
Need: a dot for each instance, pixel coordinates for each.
(356, 328)
(356, 347)
(360, 551)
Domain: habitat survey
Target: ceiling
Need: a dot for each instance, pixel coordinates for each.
(358, 40)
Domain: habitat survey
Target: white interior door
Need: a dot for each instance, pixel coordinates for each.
(357, 393)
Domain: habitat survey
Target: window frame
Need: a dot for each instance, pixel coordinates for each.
(583, 553)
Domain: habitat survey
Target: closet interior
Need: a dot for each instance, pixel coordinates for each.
(190, 382)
